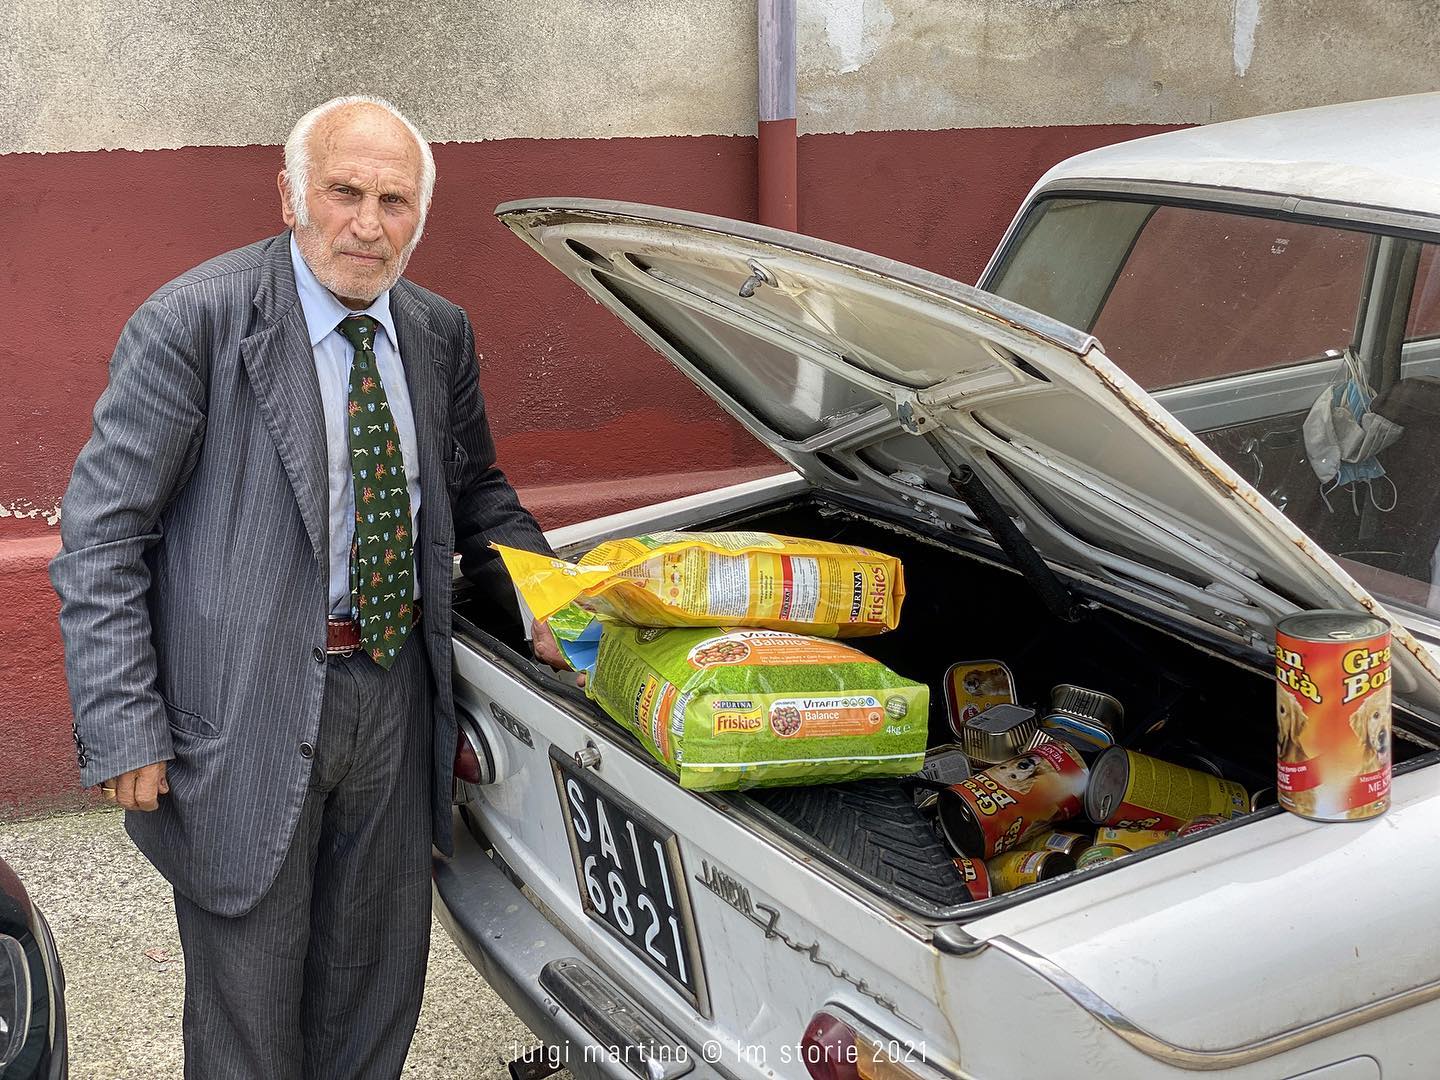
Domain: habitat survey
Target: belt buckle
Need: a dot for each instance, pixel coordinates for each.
(344, 652)
(351, 622)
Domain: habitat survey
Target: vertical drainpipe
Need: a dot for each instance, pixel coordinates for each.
(777, 114)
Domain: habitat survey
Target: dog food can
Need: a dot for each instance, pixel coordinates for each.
(1201, 823)
(1087, 718)
(1134, 791)
(976, 876)
(943, 765)
(973, 686)
(1071, 843)
(998, 734)
(1016, 868)
(1040, 738)
(994, 810)
(1332, 706)
(1099, 855)
(1132, 839)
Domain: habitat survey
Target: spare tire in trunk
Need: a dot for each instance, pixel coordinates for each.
(874, 826)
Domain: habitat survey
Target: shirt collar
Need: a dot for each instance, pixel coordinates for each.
(323, 312)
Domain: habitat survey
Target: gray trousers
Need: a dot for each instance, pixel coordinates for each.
(323, 978)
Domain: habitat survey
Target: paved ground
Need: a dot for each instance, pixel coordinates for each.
(115, 925)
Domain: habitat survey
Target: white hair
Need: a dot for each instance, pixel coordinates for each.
(297, 156)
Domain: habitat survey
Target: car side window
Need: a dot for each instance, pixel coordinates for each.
(1424, 320)
(1204, 295)
(1251, 329)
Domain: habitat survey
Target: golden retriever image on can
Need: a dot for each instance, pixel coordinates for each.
(1290, 725)
(1332, 712)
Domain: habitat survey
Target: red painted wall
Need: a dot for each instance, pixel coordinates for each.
(580, 408)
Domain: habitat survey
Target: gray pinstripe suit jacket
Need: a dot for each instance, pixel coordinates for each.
(193, 573)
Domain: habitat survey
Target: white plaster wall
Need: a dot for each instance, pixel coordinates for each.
(97, 74)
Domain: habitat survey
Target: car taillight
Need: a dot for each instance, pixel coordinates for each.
(467, 761)
(474, 763)
(833, 1050)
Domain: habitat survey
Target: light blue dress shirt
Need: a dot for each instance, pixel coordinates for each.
(333, 355)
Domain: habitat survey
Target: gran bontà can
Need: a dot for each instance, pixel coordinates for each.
(976, 876)
(994, 810)
(1332, 708)
(1134, 791)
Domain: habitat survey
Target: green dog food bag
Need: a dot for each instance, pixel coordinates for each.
(727, 708)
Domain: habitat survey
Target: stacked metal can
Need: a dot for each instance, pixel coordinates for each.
(1332, 711)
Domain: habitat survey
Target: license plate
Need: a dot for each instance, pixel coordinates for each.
(631, 880)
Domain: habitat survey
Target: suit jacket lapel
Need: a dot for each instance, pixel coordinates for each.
(422, 354)
(281, 366)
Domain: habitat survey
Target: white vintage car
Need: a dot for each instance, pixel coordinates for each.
(1132, 516)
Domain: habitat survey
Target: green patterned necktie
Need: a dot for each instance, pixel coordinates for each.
(382, 554)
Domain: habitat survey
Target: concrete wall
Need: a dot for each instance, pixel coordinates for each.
(137, 139)
(138, 75)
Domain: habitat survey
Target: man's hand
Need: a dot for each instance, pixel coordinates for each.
(542, 638)
(138, 789)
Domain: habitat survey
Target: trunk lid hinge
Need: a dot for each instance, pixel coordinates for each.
(913, 414)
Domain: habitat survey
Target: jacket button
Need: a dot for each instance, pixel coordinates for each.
(319, 655)
(306, 750)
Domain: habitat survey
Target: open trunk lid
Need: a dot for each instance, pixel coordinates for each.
(845, 363)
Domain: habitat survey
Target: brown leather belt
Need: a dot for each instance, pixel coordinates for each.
(343, 635)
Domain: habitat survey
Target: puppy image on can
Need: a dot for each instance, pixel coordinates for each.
(972, 687)
(992, 811)
(1332, 713)
(1021, 773)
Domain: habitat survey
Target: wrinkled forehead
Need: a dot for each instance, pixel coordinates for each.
(365, 134)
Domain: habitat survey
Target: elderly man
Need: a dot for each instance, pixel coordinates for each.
(291, 447)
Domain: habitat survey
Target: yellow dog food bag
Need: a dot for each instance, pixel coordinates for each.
(720, 579)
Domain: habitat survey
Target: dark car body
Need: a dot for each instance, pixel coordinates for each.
(33, 1041)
